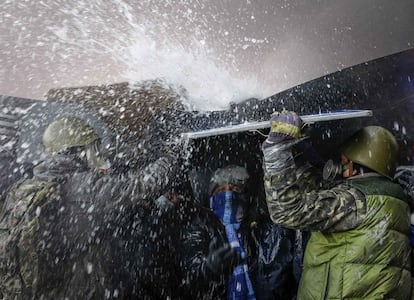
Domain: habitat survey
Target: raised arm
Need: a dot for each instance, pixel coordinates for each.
(293, 193)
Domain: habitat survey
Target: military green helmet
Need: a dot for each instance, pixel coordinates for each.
(68, 132)
(373, 147)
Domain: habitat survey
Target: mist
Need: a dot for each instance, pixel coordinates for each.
(220, 51)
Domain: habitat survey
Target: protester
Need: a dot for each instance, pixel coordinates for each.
(203, 255)
(142, 231)
(267, 267)
(43, 217)
(359, 246)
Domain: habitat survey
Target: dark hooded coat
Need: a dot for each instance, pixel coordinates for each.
(72, 233)
(275, 255)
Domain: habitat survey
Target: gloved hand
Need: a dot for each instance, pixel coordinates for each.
(404, 175)
(285, 125)
(221, 260)
(163, 203)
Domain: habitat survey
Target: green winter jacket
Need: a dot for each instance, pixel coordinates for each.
(359, 248)
(371, 261)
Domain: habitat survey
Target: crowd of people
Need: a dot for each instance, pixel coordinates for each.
(78, 229)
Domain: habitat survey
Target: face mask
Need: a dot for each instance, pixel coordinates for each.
(229, 206)
(332, 170)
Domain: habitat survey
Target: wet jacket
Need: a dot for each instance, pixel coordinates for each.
(63, 238)
(48, 234)
(143, 250)
(275, 262)
(11, 172)
(55, 246)
(371, 261)
(141, 235)
(352, 240)
(275, 256)
(198, 227)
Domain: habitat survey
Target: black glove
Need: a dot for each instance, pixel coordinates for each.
(404, 175)
(221, 260)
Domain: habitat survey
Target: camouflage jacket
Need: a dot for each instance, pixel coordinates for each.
(297, 200)
(22, 237)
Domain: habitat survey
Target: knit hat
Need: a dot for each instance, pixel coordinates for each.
(230, 174)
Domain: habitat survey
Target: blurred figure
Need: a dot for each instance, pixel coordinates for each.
(272, 254)
(276, 260)
(405, 177)
(359, 245)
(205, 257)
(48, 220)
(78, 230)
(143, 232)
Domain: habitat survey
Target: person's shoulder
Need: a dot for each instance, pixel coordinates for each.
(376, 184)
(37, 184)
(32, 187)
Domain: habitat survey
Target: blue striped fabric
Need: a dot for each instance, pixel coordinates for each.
(230, 211)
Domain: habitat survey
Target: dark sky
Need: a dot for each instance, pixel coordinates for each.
(275, 44)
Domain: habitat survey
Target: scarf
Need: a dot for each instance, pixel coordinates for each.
(228, 207)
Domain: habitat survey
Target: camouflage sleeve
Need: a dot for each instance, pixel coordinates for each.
(296, 200)
(24, 226)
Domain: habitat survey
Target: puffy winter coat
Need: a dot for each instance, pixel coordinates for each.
(371, 261)
(355, 223)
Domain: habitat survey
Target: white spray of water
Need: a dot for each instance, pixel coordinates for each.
(209, 86)
(133, 46)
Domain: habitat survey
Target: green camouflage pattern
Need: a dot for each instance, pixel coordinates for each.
(40, 258)
(296, 200)
(21, 237)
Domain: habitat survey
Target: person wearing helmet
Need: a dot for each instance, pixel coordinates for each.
(46, 216)
(77, 233)
(73, 136)
(359, 245)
